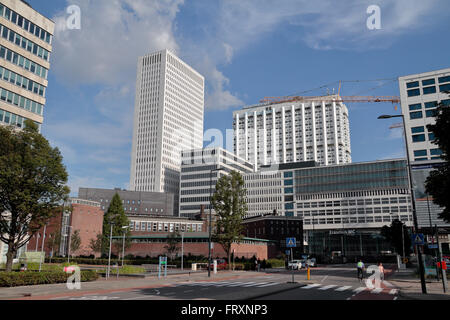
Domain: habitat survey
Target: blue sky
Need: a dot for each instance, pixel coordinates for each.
(246, 50)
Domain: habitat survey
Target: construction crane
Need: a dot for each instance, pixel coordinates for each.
(332, 98)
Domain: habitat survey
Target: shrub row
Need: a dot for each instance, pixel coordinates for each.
(30, 278)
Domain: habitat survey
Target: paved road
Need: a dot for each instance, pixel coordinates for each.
(330, 283)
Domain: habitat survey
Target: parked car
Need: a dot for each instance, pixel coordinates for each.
(221, 264)
(312, 263)
(295, 264)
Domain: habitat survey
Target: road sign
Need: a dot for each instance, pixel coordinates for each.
(432, 246)
(288, 252)
(417, 239)
(291, 243)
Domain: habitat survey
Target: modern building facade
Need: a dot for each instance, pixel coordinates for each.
(200, 171)
(420, 94)
(351, 200)
(134, 202)
(293, 131)
(25, 49)
(168, 118)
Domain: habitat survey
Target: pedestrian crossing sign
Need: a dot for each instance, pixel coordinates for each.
(291, 243)
(418, 239)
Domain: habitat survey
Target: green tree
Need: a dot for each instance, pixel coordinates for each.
(230, 203)
(95, 244)
(438, 182)
(75, 241)
(173, 246)
(393, 234)
(116, 216)
(32, 185)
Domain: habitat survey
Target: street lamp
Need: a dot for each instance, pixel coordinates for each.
(124, 228)
(68, 243)
(210, 219)
(109, 255)
(416, 225)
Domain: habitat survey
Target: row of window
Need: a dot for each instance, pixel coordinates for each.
(24, 43)
(419, 114)
(22, 82)
(164, 226)
(23, 62)
(428, 90)
(350, 203)
(427, 82)
(11, 119)
(22, 102)
(352, 211)
(356, 220)
(434, 153)
(25, 24)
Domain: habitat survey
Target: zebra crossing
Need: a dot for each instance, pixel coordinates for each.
(230, 284)
(356, 290)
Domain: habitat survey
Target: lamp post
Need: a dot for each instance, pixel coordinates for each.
(182, 250)
(210, 220)
(124, 228)
(109, 255)
(42, 249)
(416, 225)
(68, 243)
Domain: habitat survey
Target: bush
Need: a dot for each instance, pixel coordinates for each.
(30, 278)
(275, 263)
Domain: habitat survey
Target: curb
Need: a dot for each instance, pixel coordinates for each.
(275, 292)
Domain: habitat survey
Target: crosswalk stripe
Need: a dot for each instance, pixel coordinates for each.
(268, 285)
(359, 289)
(235, 284)
(343, 288)
(311, 286)
(249, 284)
(222, 284)
(328, 287)
(377, 290)
(393, 291)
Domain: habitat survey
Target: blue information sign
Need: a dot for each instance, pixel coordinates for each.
(418, 239)
(291, 243)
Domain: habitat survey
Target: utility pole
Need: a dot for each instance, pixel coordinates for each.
(444, 273)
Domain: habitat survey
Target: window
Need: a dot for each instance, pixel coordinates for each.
(413, 93)
(435, 152)
(418, 138)
(420, 153)
(444, 79)
(416, 106)
(416, 115)
(431, 113)
(418, 129)
(428, 82)
(414, 84)
(430, 90)
(445, 87)
(432, 104)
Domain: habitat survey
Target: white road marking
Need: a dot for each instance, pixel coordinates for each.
(324, 278)
(328, 287)
(268, 285)
(235, 284)
(393, 291)
(311, 286)
(343, 288)
(377, 290)
(358, 290)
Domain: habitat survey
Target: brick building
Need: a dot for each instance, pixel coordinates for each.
(82, 215)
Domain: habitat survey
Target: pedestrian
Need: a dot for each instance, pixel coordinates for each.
(360, 267)
(381, 268)
(258, 264)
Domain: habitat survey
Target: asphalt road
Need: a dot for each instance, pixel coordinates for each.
(330, 283)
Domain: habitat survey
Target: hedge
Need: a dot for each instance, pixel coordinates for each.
(30, 278)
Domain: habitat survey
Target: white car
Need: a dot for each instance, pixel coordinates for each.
(295, 264)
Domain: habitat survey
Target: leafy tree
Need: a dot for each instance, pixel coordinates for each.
(172, 247)
(96, 244)
(75, 241)
(438, 182)
(32, 185)
(230, 203)
(116, 216)
(393, 234)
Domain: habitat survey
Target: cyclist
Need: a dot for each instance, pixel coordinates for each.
(360, 267)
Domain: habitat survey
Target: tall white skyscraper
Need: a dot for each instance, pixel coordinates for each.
(168, 119)
(293, 131)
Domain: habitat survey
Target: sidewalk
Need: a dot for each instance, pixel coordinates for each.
(103, 286)
(410, 287)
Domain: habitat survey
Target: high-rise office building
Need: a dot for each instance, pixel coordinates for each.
(168, 119)
(420, 94)
(25, 47)
(293, 131)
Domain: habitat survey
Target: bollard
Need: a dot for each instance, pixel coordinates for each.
(308, 274)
